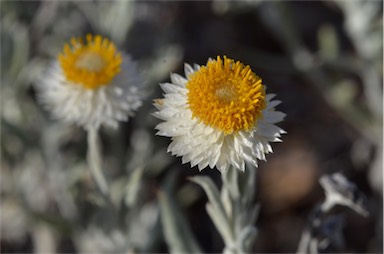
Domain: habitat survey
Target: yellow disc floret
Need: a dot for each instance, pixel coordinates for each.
(92, 64)
(226, 95)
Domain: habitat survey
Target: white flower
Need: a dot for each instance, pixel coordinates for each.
(219, 115)
(340, 191)
(91, 84)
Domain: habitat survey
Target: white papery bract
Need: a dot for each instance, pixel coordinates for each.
(204, 145)
(92, 106)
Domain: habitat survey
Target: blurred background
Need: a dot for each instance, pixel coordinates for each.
(323, 59)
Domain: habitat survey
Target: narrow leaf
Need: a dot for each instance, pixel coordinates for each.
(211, 191)
(133, 186)
(176, 230)
(215, 208)
(221, 225)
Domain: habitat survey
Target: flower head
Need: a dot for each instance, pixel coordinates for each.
(92, 84)
(219, 115)
(340, 191)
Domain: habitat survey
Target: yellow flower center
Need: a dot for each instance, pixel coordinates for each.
(91, 65)
(226, 95)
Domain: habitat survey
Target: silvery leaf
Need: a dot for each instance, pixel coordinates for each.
(176, 230)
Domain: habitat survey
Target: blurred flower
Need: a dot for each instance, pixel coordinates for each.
(219, 115)
(325, 232)
(340, 191)
(91, 84)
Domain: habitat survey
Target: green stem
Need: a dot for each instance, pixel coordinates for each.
(94, 160)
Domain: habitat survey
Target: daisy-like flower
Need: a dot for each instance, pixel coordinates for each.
(218, 115)
(92, 84)
(340, 191)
